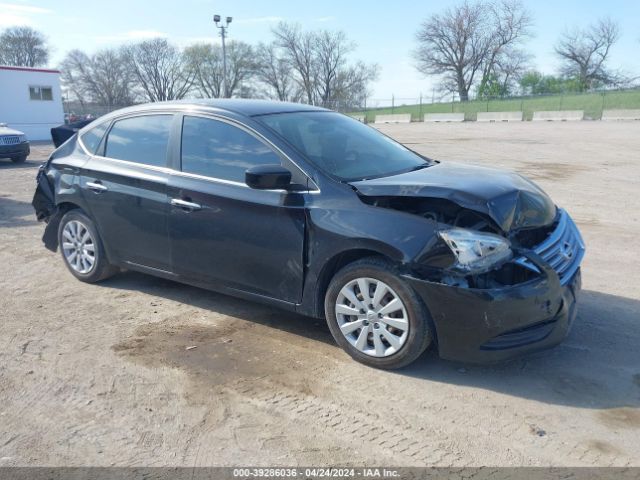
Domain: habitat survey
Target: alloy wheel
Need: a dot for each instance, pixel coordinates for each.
(78, 247)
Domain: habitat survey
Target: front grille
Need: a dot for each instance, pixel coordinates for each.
(530, 237)
(562, 250)
(9, 140)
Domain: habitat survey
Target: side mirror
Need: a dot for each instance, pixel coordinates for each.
(268, 177)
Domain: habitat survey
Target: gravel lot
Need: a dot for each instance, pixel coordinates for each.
(100, 375)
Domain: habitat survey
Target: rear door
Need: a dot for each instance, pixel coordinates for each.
(125, 187)
(225, 233)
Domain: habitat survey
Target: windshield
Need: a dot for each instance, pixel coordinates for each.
(342, 146)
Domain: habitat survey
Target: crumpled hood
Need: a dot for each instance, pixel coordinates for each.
(509, 199)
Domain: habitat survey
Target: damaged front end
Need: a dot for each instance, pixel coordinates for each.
(496, 286)
(477, 259)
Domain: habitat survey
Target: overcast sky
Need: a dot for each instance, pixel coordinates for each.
(383, 30)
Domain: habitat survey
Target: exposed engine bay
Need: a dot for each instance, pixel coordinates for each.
(447, 212)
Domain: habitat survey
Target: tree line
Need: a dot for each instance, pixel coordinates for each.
(475, 47)
(479, 45)
(296, 65)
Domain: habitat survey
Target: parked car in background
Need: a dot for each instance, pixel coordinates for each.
(13, 144)
(62, 133)
(315, 212)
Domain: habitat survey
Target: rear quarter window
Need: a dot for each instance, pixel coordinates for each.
(92, 138)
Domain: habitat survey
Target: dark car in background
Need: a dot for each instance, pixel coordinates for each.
(64, 132)
(13, 144)
(312, 211)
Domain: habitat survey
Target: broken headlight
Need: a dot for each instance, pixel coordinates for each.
(476, 252)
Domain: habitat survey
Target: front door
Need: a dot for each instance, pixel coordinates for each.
(225, 233)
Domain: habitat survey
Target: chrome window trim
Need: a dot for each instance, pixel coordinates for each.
(135, 164)
(172, 171)
(233, 183)
(82, 145)
(212, 179)
(85, 130)
(110, 122)
(105, 138)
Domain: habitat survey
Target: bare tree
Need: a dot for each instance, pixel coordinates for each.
(453, 44)
(23, 47)
(273, 70)
(510, 67)
(241, 65)
(103, 78)
(298, 48)
(159, 69)
(510, 24)
(330, 52)
(319, 61)
(585, 53)
(351, 87)
(204, 62)
(464, 43)
(504, 77)
(74, 74)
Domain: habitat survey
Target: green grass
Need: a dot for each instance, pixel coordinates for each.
(591, 103)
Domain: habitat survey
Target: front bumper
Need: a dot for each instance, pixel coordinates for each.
(488, 326)
(17, 150)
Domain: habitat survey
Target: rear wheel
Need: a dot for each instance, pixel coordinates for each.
(375, 316)
(82, 249)
(20, 159)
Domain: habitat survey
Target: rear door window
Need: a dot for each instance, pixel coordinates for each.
(142, 139)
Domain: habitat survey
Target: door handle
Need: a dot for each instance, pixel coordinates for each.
(188, 206)
(96, 187)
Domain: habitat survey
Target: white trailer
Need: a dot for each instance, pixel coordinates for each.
(31, 100)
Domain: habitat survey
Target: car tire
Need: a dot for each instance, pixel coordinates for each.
(82, 249)
(20, 159)
(405, 346)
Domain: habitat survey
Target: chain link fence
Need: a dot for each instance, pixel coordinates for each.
(76, 111)
(592, 103)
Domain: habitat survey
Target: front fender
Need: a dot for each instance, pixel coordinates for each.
(400, 236)
(355, 232)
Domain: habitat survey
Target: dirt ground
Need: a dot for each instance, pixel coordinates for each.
(101, 375)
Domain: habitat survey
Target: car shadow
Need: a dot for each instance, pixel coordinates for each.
(273, 317)
(597, 367)
(14, 213)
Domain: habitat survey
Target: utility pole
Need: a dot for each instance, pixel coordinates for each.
(223, 34)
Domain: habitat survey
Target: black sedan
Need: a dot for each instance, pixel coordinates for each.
(309, 210)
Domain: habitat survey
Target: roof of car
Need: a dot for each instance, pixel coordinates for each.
(249, 107)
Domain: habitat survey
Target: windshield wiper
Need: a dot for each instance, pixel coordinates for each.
(390, 174)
